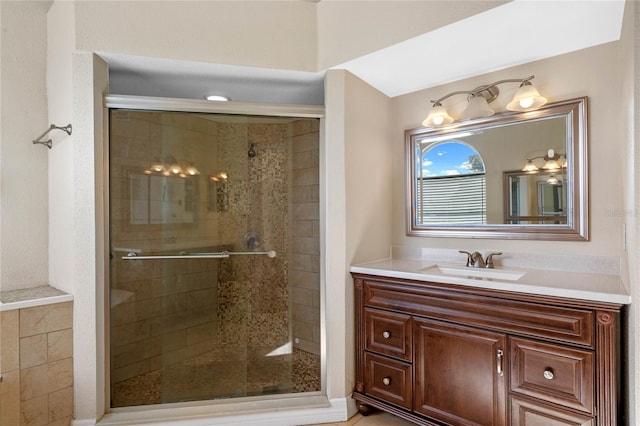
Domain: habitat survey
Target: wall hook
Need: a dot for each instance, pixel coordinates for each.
(67, 129)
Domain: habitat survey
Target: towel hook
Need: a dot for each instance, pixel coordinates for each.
(47, 143)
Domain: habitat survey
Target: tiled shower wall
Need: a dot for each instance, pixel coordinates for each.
(257, 302)
(304, 267)
(36, 366)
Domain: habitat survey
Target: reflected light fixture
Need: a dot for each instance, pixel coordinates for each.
(552, 161)
(526, 98)
(217, 98)
(552, 180)
(220, 177)
(169, 166)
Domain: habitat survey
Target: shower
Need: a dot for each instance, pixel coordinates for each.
(217, 294)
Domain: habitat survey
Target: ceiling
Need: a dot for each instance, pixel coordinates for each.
(518, 32)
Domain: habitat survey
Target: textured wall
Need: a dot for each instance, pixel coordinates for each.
(23, 166)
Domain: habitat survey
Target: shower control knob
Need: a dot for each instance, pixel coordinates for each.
(386, 334)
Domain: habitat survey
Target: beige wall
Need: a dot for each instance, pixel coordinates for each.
(23, 166)
(269, 34)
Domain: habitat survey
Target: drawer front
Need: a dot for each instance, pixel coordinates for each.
(570, 325)
(553, 373)
(388, 379)
(388, 333)
(528, 413)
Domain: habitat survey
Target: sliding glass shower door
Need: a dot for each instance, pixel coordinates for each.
(214, 275)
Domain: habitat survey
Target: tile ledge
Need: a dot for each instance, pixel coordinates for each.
(30, 297)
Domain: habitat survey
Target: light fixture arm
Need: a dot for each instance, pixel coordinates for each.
(522, 82)
(448, 95)
(484, 88)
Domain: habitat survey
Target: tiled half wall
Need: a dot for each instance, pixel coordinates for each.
(36, 365)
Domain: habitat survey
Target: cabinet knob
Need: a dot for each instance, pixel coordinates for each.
(548, 374)
(386, 381)
(386, 334)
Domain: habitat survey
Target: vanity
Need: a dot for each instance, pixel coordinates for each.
(443, 344)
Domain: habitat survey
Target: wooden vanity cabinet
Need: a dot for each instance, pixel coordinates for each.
(440, 354)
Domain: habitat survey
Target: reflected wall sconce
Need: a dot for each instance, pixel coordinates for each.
(220, 177)
(526, 98)
(169, 166)
(553, 180)
(552, 161)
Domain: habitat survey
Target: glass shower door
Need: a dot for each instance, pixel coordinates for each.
(214, 279)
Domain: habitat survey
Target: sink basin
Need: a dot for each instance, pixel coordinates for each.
(463, 271)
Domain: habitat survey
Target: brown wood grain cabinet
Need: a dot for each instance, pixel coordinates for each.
(440, 354)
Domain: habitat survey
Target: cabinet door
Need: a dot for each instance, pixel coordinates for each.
(459, 374)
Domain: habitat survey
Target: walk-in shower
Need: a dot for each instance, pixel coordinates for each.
(215, 256)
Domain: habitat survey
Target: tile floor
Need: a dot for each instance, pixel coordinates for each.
(374, 419)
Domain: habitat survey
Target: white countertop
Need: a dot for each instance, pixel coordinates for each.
(574, 285)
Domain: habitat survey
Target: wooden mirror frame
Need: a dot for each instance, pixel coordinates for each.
(577, 226)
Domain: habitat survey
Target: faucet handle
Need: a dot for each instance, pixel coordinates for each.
(489, 261)
(469, 259)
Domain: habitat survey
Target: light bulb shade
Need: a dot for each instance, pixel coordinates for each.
(526, 98)
(438, 116)
(551, 164)
(530, 167)
(477, 108)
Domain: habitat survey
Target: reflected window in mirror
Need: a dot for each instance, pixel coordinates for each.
(451, 183)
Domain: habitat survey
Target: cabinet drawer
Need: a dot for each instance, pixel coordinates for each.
(388, 379)
(556, 374)
(528, 413)
(388, 333)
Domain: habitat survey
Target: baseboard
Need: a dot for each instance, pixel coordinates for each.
(285, 412)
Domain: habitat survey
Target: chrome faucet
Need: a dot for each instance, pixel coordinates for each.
(475, 260)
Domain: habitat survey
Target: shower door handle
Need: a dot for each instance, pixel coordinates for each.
(186, 255)
(177, 256)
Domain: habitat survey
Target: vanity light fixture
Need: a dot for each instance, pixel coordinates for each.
(526, 98)
(552, 161)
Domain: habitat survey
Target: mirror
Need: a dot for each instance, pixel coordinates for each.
(466, 180)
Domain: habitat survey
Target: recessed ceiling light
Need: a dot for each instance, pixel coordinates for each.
(217, 98)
